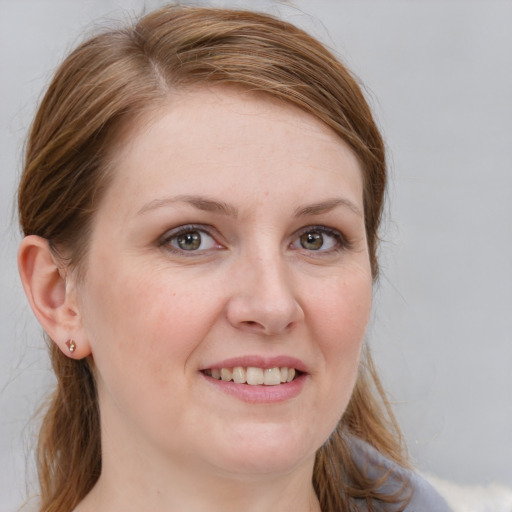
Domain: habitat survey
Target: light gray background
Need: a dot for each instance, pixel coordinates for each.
(439, 75)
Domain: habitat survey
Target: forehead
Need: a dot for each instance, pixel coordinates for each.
(198, 110)
(227, 135)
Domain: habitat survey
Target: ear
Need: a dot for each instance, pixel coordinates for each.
(51, 297)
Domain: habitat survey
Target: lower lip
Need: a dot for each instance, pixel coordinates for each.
(260, 394)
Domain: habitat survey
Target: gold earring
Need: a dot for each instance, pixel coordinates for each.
(71, 345)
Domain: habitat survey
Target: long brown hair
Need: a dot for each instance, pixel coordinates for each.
(102, 87)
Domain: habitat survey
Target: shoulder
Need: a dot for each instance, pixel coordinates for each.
(423, 497)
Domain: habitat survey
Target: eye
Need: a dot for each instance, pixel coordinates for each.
(189, 239)
(320, 239)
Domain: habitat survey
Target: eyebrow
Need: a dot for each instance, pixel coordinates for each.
(327, 206)
(209, 205)
(199, 202)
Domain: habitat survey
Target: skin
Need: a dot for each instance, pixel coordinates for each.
(152, 315)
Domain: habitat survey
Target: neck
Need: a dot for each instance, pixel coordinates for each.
(196, 493)
(137, 482)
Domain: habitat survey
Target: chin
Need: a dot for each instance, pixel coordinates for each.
(266, 450)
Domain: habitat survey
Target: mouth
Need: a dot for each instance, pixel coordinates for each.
(254, 376)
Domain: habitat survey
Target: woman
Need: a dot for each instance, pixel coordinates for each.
(200, 202)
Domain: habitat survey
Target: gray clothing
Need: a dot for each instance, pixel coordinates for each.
(424, 497)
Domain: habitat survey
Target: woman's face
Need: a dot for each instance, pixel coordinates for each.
(231, 241)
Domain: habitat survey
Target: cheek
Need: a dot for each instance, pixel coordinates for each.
(143, 317)
(342, 311)
(340, 316)
(143, 330)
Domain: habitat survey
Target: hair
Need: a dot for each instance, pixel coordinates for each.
(105, 85)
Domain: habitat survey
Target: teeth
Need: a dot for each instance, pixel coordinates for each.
(272, 376)
(239, 374)
(226, 374)
(253, 376)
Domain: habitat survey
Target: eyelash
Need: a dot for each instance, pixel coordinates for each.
(169, 236)
(341, 242)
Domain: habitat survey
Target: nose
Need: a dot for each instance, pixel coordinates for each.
(264, 300)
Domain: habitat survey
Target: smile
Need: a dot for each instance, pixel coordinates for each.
(254, 376)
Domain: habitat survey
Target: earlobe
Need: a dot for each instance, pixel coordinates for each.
(44, 283)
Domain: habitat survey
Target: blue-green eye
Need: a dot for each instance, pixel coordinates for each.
(312, 241)
(190, 239)
(319, 239)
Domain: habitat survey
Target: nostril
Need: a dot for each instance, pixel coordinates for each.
(255, 314)
(252, 325)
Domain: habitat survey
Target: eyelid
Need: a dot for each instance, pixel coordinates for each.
(342, 242)
(165, 240)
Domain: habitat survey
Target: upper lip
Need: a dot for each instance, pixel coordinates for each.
(258, 361)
